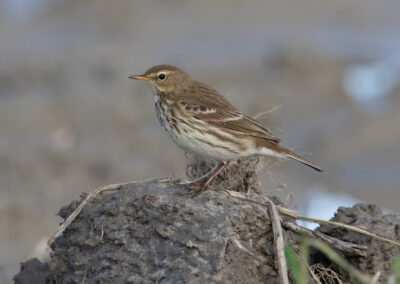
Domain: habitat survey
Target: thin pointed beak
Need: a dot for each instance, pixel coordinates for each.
(139, 77)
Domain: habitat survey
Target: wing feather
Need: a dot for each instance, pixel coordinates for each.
(209, 106)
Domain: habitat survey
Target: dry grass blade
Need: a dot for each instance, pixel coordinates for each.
(346, 247)
(89, 198)
(78, 210)
(279, 242)
(263, 202)
(296, 215)
(349, 227)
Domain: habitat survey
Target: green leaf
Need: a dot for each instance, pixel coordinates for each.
(396, 266)
(295, 265)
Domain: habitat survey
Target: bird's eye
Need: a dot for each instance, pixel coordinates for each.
(161, 76)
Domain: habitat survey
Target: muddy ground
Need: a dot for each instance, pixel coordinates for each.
(148, 233)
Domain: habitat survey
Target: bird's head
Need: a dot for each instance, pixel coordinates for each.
(164, 78)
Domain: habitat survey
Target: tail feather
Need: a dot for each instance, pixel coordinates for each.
(271, 148)
(296, 157)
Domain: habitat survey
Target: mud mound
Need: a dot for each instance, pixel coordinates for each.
(147, 233)
(380, 254)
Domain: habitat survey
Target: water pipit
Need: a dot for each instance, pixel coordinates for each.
(204, 123)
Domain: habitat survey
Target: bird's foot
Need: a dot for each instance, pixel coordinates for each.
(195, 183)
(193, 192)
(203, 182)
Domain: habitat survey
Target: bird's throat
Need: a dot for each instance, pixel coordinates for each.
(153, 89)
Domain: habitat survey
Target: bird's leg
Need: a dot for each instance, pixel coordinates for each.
(200, 180)
(205, 181)
(211, 176)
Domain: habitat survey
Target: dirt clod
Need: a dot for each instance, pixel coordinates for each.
(147, 233)
(380, 255)
(34, 271)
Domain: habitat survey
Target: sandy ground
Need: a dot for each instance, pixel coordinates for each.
(71, 120)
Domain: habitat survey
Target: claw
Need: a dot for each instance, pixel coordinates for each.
(194, 192)
(203, 182)
(197, 183)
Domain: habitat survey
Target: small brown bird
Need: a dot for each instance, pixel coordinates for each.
(203, 122)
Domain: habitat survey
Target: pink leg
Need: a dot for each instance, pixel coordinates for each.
(207, 180)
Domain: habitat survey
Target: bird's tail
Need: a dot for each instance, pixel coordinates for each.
(296, 157)
(271, 148)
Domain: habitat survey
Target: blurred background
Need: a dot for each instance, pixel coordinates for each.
(71, 120)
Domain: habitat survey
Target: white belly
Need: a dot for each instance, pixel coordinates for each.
(207, 145)
(195, 138)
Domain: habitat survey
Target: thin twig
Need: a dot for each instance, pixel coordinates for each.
(282, 210)
(346, 247)
(78, 210)
(279, 242)
(349, 227)
(89, 198)
(296, 215)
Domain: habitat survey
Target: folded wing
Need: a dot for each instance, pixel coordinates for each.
(209, 106)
